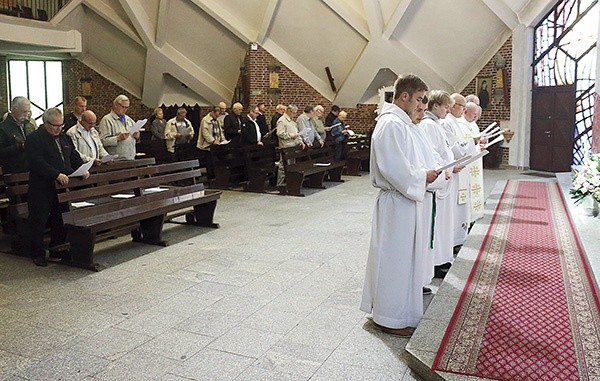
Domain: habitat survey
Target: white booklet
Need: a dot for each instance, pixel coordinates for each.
(459, 161)
(476, 157)
(81, 204)
(83, 169)
(122, 195)
(107, 158)
(498, 139)
(137, 126)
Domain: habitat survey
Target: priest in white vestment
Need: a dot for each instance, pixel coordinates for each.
(392, 290)
(458, 145)
(443, 237)
(475, 169)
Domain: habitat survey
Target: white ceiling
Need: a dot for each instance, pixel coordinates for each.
(151, 47)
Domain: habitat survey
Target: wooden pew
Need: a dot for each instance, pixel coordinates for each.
(229, 166)
(154, 148)
(18, 186)
(260, 166)
(144, 213)
(308, 167)
(358, 151)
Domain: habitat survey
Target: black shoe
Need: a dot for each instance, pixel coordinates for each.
(457, 249)
(426, 291)
(40, 261)
(446, 265)
(439, 272)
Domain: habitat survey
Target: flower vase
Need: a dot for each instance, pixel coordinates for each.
(590, 206)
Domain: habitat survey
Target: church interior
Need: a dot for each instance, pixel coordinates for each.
(273, 293)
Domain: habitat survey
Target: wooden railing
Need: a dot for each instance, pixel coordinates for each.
(42, 10)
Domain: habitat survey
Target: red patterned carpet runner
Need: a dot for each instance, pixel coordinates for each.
(530, 309)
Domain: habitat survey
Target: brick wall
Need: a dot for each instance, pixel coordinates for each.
(498, 110)
(103, 91)
(294, 90)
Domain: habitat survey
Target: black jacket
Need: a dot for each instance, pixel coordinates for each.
(231, 128)
(12, 145)
(45, 159)
(249, 132)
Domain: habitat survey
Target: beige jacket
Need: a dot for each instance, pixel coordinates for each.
(83, 146)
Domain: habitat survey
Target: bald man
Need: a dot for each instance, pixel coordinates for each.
(475, 169)
(86, 138)
(459, 146)
(232, 124)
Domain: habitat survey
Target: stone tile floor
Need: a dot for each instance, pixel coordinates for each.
(271, 295)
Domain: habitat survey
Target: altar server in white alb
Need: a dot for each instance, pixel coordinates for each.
(443, 237)
(394, 276)
(427, 157)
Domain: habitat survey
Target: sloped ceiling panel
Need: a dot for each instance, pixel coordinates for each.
(175, 93)
(205, 42)
(118, 9)
(151, 7)
(384, 77)
(317, 37)
(113, 48)
(437, 33)
(250, 13)
(387, 9)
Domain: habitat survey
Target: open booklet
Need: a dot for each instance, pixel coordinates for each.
(456, 162)
(137, 126)
(497, 140)
(107, 158)
(82, 170)
(476, 157)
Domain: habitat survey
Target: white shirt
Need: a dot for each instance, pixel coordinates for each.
(88, 138)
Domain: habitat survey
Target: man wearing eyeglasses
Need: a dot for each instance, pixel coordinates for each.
(86, 139)
(14, 130)
(52, 157)
(114, 130)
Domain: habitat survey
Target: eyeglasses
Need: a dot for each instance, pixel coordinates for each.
(124, 107)
(461, 105)
(88, 123)
(56, 125)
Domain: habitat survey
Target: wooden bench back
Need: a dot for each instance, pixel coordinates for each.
(133, 180)
(259, 157)
(106, 209)
(123, 164)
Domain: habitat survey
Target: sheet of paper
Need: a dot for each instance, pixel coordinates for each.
(456, 162)
(476, 157)
(155, 189)
(81, 204)
(492, 132)
(107, 158)
(137, 126)
(497, 140)
(83, 169)
(351, 133)
(224, 142)
(488, 128)
(322, 164)
(122, 195)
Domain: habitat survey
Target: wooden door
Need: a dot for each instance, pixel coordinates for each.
(552, 128)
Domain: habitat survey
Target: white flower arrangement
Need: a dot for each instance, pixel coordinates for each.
(586, 181)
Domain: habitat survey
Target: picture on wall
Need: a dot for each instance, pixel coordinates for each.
(483, 86)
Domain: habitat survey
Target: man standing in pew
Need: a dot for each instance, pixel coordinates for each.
(86, 139)
(210, 134)
(233, 125)
(251, 131)
(114, 130)
(52, 157)
(13, 133)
